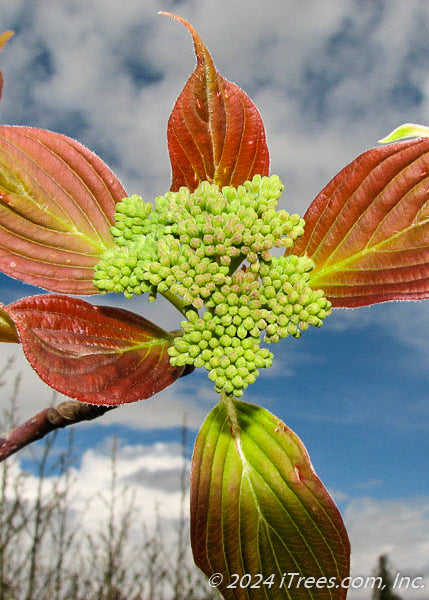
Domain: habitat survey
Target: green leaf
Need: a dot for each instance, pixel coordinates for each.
(408, 130)
(258, 507)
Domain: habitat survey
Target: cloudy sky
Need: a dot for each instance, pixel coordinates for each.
(330, 79)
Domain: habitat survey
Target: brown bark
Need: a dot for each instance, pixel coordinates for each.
(66, 413)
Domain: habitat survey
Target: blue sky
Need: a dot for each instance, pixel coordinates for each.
(330, 79)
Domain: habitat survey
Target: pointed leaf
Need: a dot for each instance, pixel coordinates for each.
(368, 229)
(408, 130)
(57, 202)
(215, 132)
(258, 507)
(96, 354)
(4, 38)
(8, 332)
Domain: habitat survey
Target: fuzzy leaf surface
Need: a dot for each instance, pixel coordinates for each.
(96, 354)
(368, 230)
(215, 133)
(57, 203)
(257, 506)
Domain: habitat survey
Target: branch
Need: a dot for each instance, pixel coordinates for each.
(55, 417)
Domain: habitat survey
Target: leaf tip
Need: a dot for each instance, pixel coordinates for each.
(5, 37)
(407, 130)
(200, 50)
(177, 18)
(215, 133)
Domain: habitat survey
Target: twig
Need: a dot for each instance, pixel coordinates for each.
(55, 417)
(66, 413)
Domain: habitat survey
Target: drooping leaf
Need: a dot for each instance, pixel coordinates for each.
(368, 229)
(8, 332)
(57, 202)
(96, 354)
(4, 38)
(257, 507)
(215, 133)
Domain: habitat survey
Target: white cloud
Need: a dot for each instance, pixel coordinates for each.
(141, 486)
(328, 81)
(324, 80)
(91, 482)
(289, 56)
(398, 528)
(134, 465)
(151, 474)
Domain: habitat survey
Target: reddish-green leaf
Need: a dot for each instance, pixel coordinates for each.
(57, 202)
(8, 332)
(95, 354)
(368, 229)
(257, 507)
(215, 133)
(4, 38)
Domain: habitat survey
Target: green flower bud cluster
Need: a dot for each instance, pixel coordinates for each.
(226, 340)
(186, 243)
(159, 265)
(131, 220)
(291, 304)
(235, 222)
(190, 244)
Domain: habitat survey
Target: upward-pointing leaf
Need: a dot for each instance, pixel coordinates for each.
(96, 354)
(257, 507)
(368, 229)
(57, 202)
(215, 132)
(407, 130)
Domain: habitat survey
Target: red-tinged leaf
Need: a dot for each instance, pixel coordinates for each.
(4, 38)
(57, 203)
(368, 229)
(8, 332)
(96, 354)
(215, 133)
(258, 508)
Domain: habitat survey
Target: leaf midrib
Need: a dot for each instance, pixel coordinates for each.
(246, 469)
(96, 241)
(341, 265)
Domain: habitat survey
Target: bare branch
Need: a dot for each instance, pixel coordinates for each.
(66, 413)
